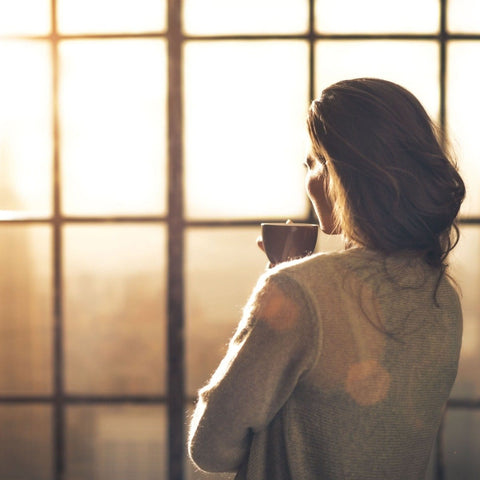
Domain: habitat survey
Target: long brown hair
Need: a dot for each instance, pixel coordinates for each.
(393, 185)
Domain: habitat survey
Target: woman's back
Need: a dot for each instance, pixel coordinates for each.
(370, 406)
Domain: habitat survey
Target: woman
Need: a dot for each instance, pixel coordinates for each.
(342, 363)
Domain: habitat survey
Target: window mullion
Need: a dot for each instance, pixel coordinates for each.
(175, 292)
(58, 413)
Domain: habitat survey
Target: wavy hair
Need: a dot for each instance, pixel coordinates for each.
(394, 187)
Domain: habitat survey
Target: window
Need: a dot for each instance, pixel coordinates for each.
(141, 144)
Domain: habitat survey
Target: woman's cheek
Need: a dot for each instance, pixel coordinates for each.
(314, 185)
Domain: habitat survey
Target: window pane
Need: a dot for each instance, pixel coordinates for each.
(108, 16)
(246, 104)
(119, 442)
(25, 442)
(24, 17)
(462, 113)
(113, 144)
(115, 309)
(391, 60)
(25, 127)
(222, 268)
(466, 270)
(208, 17)
(463, 15)
(25, 310)
(377, 16)
(462, 438)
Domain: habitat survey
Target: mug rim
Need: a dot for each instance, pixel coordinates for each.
(280, 224)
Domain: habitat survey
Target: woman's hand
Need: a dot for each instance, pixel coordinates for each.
(262, 247)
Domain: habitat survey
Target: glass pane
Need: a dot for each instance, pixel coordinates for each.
(463, 15)
(462, 112)
(24, 17)
(222, 268)
(377, 16)
(209, 17)
(116, 442)
(245, 130)
(25, 442)
(25, 310)
(25, 127)
(113, 127)
(108, 16)
(115, 309)
(462, 440)
(391, 60)
(466, 270)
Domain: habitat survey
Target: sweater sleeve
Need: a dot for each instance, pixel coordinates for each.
(275, 343)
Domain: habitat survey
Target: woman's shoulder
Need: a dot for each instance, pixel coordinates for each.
(328, 262)
(320, 271)
(361, 266)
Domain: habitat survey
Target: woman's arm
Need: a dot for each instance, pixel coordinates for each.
(275, 343)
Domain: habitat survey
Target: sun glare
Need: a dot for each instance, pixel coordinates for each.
(245, 109)
(245, 16)
(377, 16)
(15, 21)
(463, 105)
(110, 16)
(25, 113)
(113, 127)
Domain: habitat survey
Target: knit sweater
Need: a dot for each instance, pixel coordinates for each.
(339, 369)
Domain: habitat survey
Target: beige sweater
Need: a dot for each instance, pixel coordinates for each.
(340, 369)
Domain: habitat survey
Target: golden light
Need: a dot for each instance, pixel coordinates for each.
(377, 16)
(26, 140)
(113, 126)
(25, 17)
(223, 17)
(463, 105)
(110, 16)
(245, 111)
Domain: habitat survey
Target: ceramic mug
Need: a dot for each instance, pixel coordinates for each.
(287, 241)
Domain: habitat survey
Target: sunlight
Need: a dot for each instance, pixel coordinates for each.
(377, 16)
(463, 105)
(25, 112)
(113, 126)
(15, 21)
(245, 111)
(208, 17)
(463, 16)
(109, 16)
